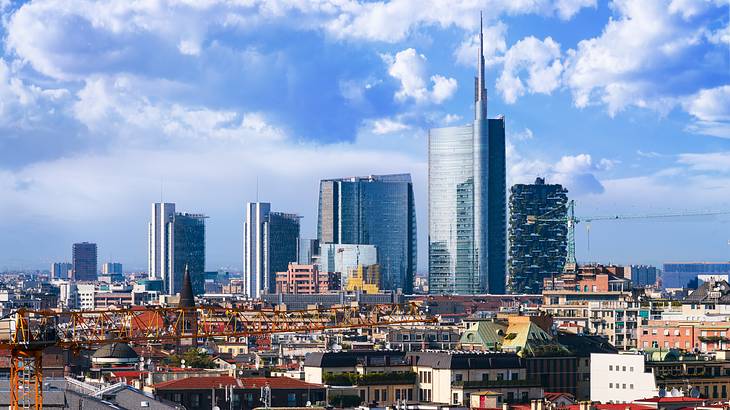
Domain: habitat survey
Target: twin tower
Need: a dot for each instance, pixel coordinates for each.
(467, 244)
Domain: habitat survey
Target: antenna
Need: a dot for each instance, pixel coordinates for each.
(161, 185)
(257, 188)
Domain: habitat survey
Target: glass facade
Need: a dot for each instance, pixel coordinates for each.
(467, 202)
(376, 210)
(189, 249)
(450, 212)
(282, 244)
(684, 275)
(345, 258)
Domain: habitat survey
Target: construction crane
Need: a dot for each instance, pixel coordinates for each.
(571, 220)
(26, 333)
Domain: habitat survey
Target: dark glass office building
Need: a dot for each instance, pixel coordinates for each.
(189, 244)
(467, 203)
(375, 210)
(282, 245)
(84, 262)
(538, 247)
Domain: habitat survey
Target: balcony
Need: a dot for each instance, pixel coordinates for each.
(357, 379)
(482, 384)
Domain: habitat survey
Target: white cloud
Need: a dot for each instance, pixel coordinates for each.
(706, 162)
(566, 9)
(450, 118)
(409, 68)
(387, 126)
(539, 59)
(641, 57)
(495, 45)
(711, 109)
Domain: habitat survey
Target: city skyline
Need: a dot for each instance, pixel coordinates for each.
(643, 131)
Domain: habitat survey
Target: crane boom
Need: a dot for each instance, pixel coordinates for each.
(26, 333)
(571, 220)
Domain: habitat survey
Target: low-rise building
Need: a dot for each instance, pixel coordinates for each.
(621, 378)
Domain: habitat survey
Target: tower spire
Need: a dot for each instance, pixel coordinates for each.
(480, 97)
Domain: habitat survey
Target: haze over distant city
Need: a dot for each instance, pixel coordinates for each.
(105, 109)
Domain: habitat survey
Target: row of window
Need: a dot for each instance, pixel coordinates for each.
(620, 386)
(621, 368)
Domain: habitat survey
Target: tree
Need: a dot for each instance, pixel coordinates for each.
(194, 357)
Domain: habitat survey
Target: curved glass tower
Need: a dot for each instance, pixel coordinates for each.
(467, 202)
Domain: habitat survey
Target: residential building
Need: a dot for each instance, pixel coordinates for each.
(326, 300)
(641, 275)
(85, 293)
(621, 378)
(467, 202)
(596, 302)
(684, 274)
(537, 234)
(306, 279)
(61, 270)
(228, 392)
(451, 377)
(84, 262)
(270, 243)
(375, 210)
(417, 338)
(705, 376)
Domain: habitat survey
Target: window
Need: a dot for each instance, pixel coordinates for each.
(610, 385)
(385, 394)
(515, 376)
(195, 400)
(377, 395)
(485, 377)
(510, 396)
(623, 386)
(397, 394)
(610, 367)
(456, 398)
(624, 368)
(410, 394)
(428, 377)
(458, 377)
(524, 397)
(631, 386)
(291, 399)
(500, 376)
(631, 369)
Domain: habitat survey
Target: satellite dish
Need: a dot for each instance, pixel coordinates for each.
(695, 392)
(675, 393)
(662, 393)
(309, 403)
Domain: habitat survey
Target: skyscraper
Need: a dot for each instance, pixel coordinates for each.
(375, 210)
(189, 252)
(270, 243)
(160, 236)
(537, 247)
(84, 262)
(176, 239)
(467, 201)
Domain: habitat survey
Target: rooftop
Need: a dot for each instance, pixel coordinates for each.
(198, 383)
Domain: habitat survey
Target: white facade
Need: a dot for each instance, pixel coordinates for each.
(621, 378)
(255, 249)
(86, 293)
(161, 241)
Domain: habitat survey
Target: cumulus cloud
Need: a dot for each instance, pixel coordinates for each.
(388, 126)
(711, 108)
(409, 68)
(494, 46)
(539, 59)
(641, 57)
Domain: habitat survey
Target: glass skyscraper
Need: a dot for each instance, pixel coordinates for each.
(375, 210)
(467, 202)
(270, 243)
(189, 243)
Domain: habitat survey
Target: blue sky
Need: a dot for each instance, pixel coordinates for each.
(106, 107)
